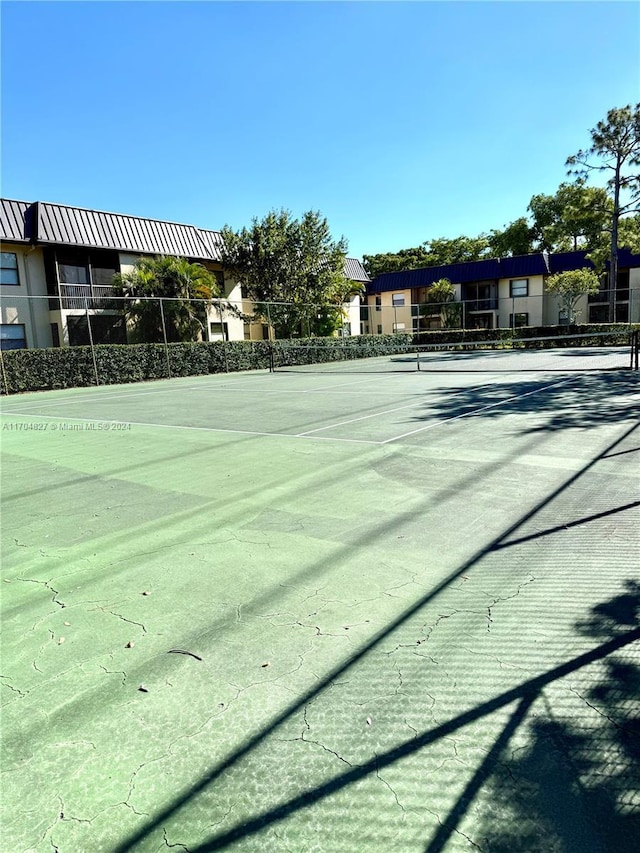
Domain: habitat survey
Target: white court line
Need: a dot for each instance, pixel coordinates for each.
(362, 418)
(236, 386)
(475, 411)
(309, 434)
(192, 428)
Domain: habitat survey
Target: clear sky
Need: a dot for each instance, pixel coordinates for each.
(400, 122)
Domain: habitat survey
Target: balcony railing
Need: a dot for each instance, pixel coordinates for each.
(490, 304)
(81, 296)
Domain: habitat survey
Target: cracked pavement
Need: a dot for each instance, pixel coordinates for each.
(421, 646)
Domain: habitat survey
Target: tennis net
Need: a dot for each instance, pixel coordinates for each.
(557, 353)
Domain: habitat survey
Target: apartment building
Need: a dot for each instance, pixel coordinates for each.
(496, 293)
(58, 263)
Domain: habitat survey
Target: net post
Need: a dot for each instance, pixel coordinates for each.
(418, 360)
(272, 361)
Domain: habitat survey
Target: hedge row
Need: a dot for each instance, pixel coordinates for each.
(619, 333)
(72, 367)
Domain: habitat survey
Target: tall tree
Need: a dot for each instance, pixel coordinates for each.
(185, 289)
(615, 153)
(575, 217)
(292, 269)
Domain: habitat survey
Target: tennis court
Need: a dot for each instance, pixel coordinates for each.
(335, 607)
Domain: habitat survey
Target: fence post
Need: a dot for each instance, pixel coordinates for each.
(164, 337)
(268, 322)
(93, 352)
(4, 374)
(224, 338)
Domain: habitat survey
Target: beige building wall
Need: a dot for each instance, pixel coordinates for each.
(218, 317)
(532, 304)
(634, 295)
(33, 313)
(385, 317)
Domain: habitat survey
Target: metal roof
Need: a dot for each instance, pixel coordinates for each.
(523, 265)
(212, 241)
(59, 224)
(456, 273)
(74, 226)
(354, 271)
(12, 220)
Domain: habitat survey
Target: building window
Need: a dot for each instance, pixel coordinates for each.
(12, 336)
(70, 273)
(218, 332)
(622, 312)
(397, 300)
(598, 314)
(516, 321)
(519, 287)
(379, 329)
(9, 268)
(378, 303)
(55, 334)
(399, 327)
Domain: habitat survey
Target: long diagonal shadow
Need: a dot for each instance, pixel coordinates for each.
(526, 693)
(450, 823)
(566, 526)
(488, 707)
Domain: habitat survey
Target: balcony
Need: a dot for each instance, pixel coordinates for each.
(490, 304)
(75, 297)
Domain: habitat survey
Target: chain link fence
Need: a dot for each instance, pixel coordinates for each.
(78, 318)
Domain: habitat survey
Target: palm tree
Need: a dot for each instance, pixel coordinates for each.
(167, 295)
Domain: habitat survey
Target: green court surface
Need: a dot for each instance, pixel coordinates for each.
(332, 611)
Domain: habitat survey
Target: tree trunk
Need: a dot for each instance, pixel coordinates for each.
(613, 259)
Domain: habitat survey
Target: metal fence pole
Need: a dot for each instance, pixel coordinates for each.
(93, 352)
(224, 338)
(4, 374)
(164, 337)
(268, 322)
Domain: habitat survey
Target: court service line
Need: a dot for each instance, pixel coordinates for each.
(191, 428)
(361, 418)
(476, 411)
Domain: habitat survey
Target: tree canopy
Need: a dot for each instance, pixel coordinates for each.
(615, 154)
(175, 281)
(596, 219)
(293, 270)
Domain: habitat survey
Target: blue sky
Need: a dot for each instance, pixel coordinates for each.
(400, 122)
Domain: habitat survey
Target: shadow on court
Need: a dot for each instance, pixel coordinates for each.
(543, 799)
(575, 787)
(587, 400)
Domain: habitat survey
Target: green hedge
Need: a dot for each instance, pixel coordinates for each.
(73, 367)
